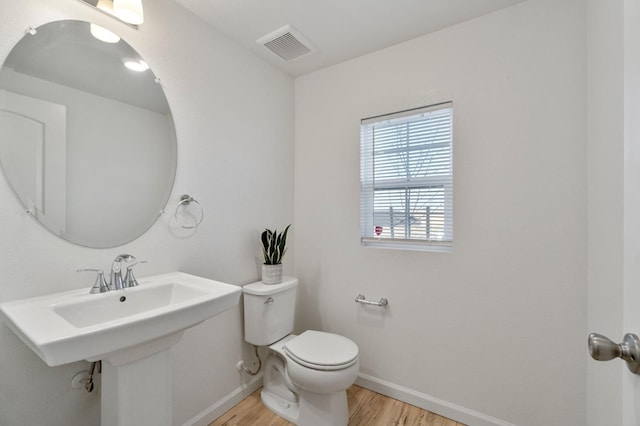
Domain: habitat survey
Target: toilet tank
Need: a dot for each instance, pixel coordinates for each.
(269, 311)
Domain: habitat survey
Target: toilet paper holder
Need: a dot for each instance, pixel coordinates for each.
(363, 300)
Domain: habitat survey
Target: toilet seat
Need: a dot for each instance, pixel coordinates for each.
(322, 351)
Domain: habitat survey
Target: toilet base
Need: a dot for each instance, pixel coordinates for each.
(297, 405)
(323, 410)
(280, 406)
(312, 410)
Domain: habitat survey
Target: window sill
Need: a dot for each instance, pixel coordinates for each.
(385, 243)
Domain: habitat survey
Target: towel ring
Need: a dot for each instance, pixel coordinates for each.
(186, 200)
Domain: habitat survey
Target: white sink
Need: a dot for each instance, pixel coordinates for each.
(118, 326)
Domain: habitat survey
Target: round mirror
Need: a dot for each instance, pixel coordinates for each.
(87, 140)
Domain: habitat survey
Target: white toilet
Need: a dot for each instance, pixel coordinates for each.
(305, 376)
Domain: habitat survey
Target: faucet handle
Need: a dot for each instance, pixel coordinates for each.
(129, 278)
(115, 278)
(100, 285)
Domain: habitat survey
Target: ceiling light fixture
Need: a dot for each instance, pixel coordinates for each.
(102, 33)
(130, 11)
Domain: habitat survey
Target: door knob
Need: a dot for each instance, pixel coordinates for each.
(602, 348)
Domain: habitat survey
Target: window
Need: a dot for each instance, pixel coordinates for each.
(407, 179)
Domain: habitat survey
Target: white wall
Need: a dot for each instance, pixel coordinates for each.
(214, 88)
(498, 326)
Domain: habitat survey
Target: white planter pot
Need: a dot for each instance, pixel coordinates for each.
(272, 274)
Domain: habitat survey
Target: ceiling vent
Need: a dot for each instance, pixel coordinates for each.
(287, 42)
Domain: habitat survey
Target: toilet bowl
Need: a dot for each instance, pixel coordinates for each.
(321, 362)
(305, 376)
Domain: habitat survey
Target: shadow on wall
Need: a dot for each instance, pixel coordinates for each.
(25, 383)
(309, 301)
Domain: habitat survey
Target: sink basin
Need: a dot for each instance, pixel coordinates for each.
(92, 311)
(75, 325)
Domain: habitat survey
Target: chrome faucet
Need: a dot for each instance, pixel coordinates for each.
(116, 282)
(116, 279)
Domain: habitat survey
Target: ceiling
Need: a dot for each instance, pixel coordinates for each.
(338, 29)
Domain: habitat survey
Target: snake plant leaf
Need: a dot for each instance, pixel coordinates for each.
(274, 245)
(266, 242)
(283, 240)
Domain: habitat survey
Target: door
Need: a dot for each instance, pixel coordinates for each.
(631, 246)
(613, 149)
(33, 155)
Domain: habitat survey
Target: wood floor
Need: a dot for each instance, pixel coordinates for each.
(366, 408)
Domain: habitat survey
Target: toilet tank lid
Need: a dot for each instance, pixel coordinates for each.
(261, 289)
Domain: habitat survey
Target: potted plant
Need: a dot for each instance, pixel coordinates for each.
(274, 246)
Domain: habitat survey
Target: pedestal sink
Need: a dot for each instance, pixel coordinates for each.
(130, 330)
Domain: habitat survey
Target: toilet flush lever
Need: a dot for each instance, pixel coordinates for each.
(602, 348)
(269, 300)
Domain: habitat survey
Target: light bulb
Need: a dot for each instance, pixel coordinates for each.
(105, 5)
(129, 11)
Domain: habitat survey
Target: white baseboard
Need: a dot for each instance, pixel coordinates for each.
(220, 407)
(428, 402)
(410, 396)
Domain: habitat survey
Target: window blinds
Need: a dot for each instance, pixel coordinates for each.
(407, 177)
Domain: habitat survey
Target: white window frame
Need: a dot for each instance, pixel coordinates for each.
(369, 185)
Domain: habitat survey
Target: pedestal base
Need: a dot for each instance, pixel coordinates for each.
(138, 393)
